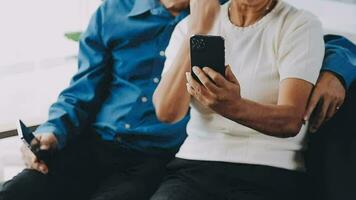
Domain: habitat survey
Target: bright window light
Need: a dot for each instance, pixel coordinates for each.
(34, 30)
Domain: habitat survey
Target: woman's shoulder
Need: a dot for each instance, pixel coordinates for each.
(295, 18)
(183, 25)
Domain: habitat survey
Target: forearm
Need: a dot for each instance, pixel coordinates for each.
(171, 98)
(274, 120)
(74, 109)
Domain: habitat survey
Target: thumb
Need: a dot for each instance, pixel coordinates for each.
(45, 146)
(43, 143)
(230, 75)
(47, 141)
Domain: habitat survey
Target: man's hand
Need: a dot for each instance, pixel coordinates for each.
(45, 141)
(327, 97)
(202, 15)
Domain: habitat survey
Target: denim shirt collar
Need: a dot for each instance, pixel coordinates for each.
(156, 8)
(142, 6)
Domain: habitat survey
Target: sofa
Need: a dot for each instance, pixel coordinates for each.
(331, 155)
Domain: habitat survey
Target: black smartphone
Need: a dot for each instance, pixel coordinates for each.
(29, 139)
(207, 51)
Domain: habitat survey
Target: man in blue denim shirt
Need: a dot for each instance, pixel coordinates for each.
(110, 143)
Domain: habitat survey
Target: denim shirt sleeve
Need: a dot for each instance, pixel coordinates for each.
(76, 105)
(340, 58)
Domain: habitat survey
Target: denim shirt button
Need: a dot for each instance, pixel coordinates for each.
(144, 99)
(162, 53)
(127, 126)
(156, 80)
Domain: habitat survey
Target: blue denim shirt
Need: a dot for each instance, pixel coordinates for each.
(121, 57)
(120, 62)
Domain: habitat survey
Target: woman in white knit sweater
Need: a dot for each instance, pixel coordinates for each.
(246, 134)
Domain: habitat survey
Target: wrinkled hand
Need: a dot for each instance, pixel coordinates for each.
(46, 141)
(327, 97)
(215, 92)
(202, 15)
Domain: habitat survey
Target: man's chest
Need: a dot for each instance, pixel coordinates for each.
(137, 46)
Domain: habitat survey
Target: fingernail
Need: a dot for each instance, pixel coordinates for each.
(195, 70)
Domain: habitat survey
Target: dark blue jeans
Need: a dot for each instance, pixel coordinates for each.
(91, 170)
(203, 180)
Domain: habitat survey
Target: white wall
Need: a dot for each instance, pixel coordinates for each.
(36, 63)
(33, 30)
(36, 60)
(337, 17)
(10, 158)
(27, 96)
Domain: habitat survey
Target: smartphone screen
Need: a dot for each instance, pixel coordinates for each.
(208, 51)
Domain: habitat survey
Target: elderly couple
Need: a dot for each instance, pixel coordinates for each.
(119, 129)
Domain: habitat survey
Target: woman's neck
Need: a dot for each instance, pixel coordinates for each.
(243, 14)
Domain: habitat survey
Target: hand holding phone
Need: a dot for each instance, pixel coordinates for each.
(207, 51)
(42, 146)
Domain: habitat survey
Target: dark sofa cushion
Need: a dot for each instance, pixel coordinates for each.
(331, 155)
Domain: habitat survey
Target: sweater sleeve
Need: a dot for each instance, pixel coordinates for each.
(301, 50)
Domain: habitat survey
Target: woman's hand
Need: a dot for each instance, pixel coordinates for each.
(202, 15)
(222, 95)
(216, 92)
